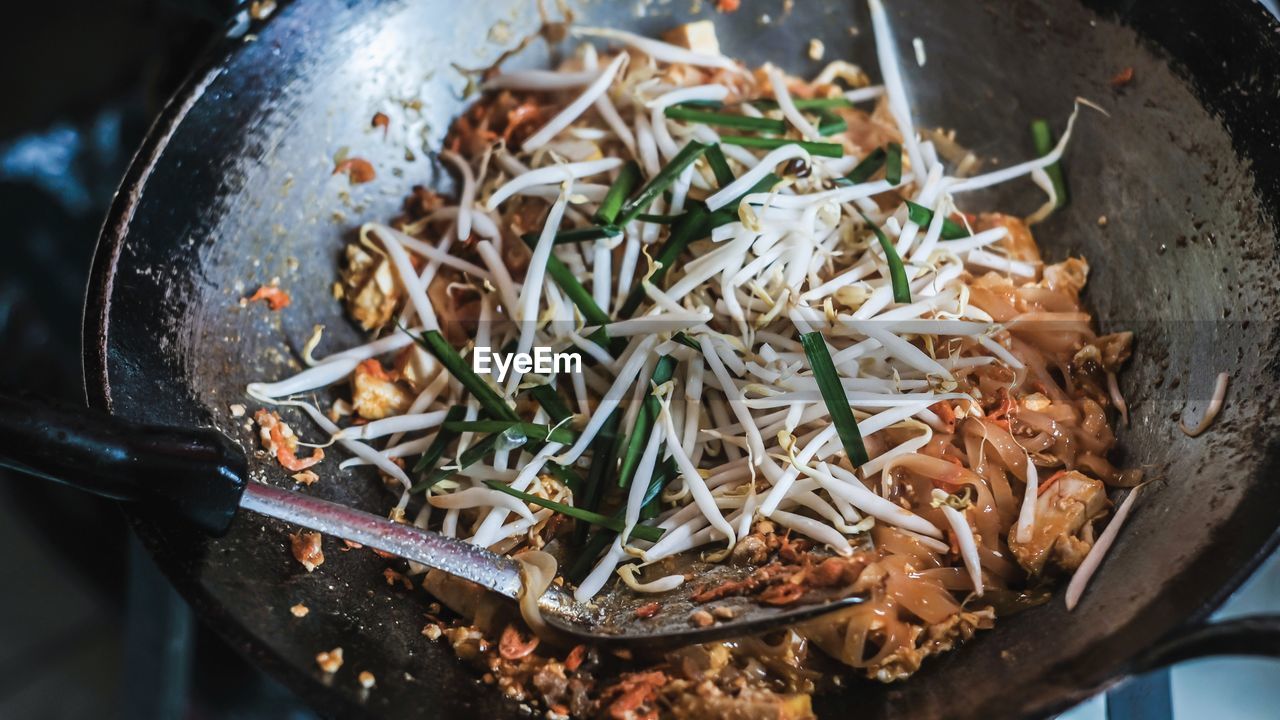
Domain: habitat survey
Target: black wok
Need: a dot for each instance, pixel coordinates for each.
(233, 188)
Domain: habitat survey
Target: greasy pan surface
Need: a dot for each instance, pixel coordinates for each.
(233, 188)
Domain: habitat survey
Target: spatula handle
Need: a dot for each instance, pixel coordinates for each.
(196, 474)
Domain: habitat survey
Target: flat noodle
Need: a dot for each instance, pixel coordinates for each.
(985, 397)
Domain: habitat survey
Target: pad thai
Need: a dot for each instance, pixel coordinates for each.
(786, 348)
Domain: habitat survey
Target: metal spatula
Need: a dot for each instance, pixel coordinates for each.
(201, 476)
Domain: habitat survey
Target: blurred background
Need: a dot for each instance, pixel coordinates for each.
(88, 627)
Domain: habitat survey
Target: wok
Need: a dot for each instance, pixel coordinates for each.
(233, 187)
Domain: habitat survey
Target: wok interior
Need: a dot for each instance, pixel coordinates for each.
(243, 193)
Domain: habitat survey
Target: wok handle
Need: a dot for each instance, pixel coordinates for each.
(1257, 635)
(196, 474)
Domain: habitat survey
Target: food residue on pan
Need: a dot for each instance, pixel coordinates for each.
(261, 9)
(1210, 412)
(514, 644)
(299, 610)
(279, 440)
(307, 549)
(330, 660)
(357, 169)
(392, 577)
(272, 295)
(648, 610)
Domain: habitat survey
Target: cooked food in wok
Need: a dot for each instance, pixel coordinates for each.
(680, 309)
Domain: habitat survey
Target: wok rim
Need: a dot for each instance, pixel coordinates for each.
(216, 60)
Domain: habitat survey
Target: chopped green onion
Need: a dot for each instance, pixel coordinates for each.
(829, 123)
(808, 103)
(435, 450)
(642, 532)
(489, 399)
(1042, 136)
(469, 457)
(719, 165)
(740, 122)
(619, 191)
(549, 400)
(893, 164)
(578, 295)
(922, 216)
(645, 420)
(897, 271)
(667, 175)
(533, 431)
(867, 167)
(821, 149)
(824, 372)
(576, 235)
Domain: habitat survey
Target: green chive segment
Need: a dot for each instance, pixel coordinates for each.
(604, 461)
(1042, 136)
(469, 457)
(431, 457)
(697, 223)
(642, 532)
(719, 165)
(829, 123)
(897, 271)
(532, 431)
(578, 295)
(821, 149)
(619, 191)
(658, 219)
(575, 235)
(922, 216)
(824, 372)
(667, 175)
(601, 538)
(740, 122)
(808, 103)
(893, 164)
(488, 398)
(867, 167)
(549, 400)
(645, 421)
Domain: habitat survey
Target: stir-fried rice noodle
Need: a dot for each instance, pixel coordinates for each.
(983, 401)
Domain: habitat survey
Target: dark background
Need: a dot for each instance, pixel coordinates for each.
(88, 628)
